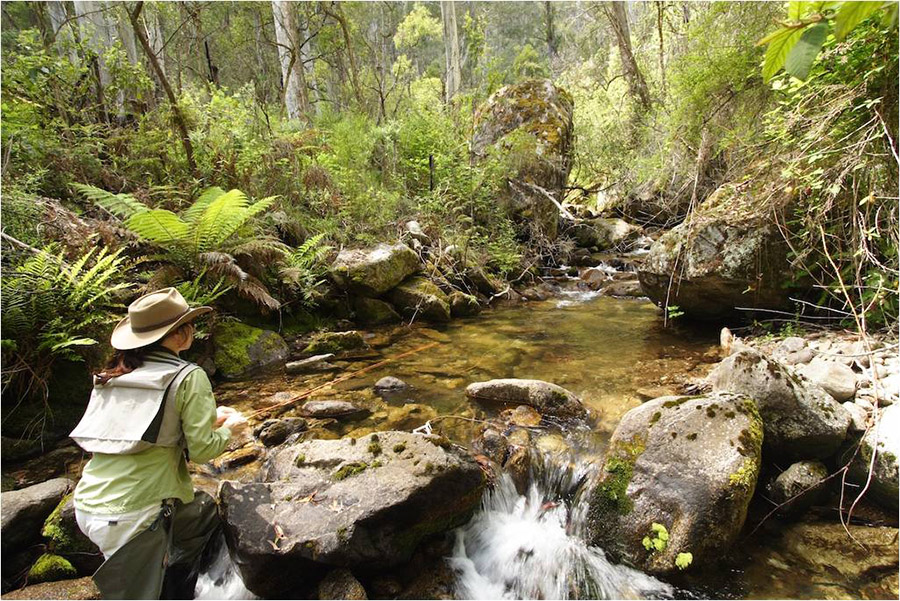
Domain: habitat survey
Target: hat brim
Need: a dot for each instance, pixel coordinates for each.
(125, 339)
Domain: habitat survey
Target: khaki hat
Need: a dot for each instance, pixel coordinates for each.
(151, 317)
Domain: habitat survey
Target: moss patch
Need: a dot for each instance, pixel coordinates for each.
(610, 496)
(399, 447)
(49, 568)
(63, 536)
(350, 469)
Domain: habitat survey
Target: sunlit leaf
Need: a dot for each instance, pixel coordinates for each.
(852, 14)
(779, 47)
(804, 52)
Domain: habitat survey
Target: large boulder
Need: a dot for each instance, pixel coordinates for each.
(336, 342)
(883, 439)
(533, 121)
(718, 259)
(547, 398)
(419, 297)
(242, 351)
(802, 421)
(356, 503)
(373, 271)
(22, 512)
(677, 479)
(605, 234)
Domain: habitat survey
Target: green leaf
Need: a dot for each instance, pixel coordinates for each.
(683, 560)
(159, 226)
(648, 544)
(779, 47)
(852, 14)
(804, 52)
(73, 342)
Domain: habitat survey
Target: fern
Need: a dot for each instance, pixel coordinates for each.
(303, 270)
(120, 205)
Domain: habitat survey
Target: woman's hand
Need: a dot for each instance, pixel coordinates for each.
(222, 414)
(235, 422)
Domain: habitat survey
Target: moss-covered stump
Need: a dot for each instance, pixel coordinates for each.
(373, 271)
(721, 257)
(242, 351)
(356, 503)
(335, 342)
(532, 121)
(371, 311)
(81, 588)
(420, 298)
(49, 568)
(801, 420)
(676, 480)
(64, 538)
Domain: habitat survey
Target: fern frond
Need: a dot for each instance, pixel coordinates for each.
(120, 205)
(163, 277)
(251, 288)
(192, 213)
(159, 226)
(221, 218)
(265, 249)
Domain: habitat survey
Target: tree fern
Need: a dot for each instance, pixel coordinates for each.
(120, 205)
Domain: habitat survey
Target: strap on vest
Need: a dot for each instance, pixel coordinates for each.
(151, 435)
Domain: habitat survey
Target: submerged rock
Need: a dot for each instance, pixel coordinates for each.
(242, 350)
(419, 297)
(390, 383)
(373, 271)
(363, 503)
(677, 478)
(326, 409)
(721, 259)
(539, 114)
(24, 511)
(801, 420)
(547, 398)
(314, 364)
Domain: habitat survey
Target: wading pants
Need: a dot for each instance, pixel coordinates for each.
(160, 562)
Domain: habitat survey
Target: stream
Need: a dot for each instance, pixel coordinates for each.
(606, 351)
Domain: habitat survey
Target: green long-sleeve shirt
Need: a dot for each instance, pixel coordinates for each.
(118, 483)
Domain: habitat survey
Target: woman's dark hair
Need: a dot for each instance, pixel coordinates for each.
(125, 362)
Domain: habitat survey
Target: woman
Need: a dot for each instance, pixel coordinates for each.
(149, 412)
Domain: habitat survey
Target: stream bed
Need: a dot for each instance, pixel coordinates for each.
(613, 353)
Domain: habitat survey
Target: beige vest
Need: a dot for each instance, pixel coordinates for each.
(136, 410)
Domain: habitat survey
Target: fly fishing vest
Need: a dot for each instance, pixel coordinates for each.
(131, 412)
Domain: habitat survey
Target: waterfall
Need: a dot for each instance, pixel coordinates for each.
(220, 579)
(531, 546)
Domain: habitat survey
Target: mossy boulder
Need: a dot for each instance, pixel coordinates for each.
(362, 504)
(373, 271)
(531, 124)
(801, 420)
(687, 464)
(64, 538)
(372, 311)
(242, 351)
(49, 568)
(463, 305)
(720, 258)
(335, 342)
(420, 298)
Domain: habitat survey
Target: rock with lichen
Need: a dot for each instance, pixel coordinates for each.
(677, 478)
(355, 503)
(547, 398)
(531, 125)
(801, 420)
(373, 271)
(419, 298)
(720, 258)
(242, 351)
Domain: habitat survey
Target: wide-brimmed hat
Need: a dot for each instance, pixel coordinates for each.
(151, 317)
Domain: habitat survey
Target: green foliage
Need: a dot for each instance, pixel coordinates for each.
(797, 43)
(304, 270)
(416, 28)
(684, 560)
(207, 239)
(657, 540)
(52, 310)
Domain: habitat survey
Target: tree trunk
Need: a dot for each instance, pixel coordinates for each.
(337, 14)
(660, 6)
(451, 48)
(618, 19)
(62, 35)
(293, 81)
(180, 122)
(95, 34)
(306, 61)
(552, 39)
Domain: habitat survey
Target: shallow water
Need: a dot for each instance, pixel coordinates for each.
(604, 350)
